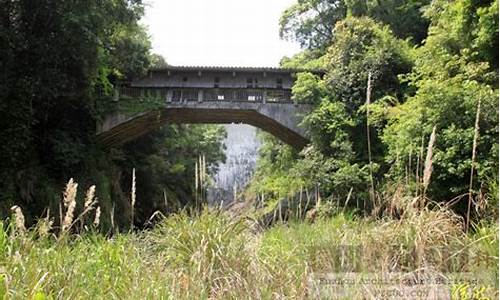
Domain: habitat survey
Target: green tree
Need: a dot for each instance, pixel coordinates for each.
(455, 69)
(337, 158)
(312, 22)
(308, 88)
(273, 169)
(404, 17)
(165, 161)
(55, 55)
(437, 84)
(362, 46)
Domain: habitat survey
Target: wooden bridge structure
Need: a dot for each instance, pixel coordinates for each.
(256, 96)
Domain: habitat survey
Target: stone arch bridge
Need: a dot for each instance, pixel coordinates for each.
(256, 96)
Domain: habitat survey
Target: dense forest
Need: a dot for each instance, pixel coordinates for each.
(408, 105)
(398, 185)
(60, 61)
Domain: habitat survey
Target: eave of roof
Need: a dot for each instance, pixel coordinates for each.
(235, 69)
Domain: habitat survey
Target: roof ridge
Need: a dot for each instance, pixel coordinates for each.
(235, 68)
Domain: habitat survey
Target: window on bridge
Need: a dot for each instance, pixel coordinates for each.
(130, 92)
(255, 96)
(148, 93)
(184, 95)
(277, 96)
(252, 83)
(176, 95)
(240, 95)
(209, 95)
(163, 93)
(190, 95)
(279, 83)
(216, 82)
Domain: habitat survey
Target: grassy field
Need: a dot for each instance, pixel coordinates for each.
(213, 255)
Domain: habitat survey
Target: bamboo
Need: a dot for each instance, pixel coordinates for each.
(200, 174)
(347, 200)
(165, 200)
(308, 199)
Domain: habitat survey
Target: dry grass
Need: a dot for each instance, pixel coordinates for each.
(211, 254)
(69, 201)
(428, 161)
(473, 160)
(19, 218)
(97, 217)
(132, 199)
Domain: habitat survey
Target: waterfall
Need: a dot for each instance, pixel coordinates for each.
(233, 175)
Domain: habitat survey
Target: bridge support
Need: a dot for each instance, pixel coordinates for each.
(257, 96)
(279, 119)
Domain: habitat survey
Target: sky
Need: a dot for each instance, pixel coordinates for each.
(218, 32)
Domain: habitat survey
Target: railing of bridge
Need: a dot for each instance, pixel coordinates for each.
(204, 94)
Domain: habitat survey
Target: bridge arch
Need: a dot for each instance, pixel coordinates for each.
(254, 96)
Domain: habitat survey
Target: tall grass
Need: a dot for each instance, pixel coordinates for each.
(473, 160)
(132, 199)
(209, 254)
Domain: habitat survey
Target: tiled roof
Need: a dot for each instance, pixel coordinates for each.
(235, 69)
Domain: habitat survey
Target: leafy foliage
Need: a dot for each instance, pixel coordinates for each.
(312, 22)
(272, 173)
(54, 55)
(336, 161)
(451, 76)
(60, 63)
(403, 17)
(165, 162)
(308, 88)
(362, 46)
(439, 82)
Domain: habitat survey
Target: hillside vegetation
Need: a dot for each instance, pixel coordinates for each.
(399, 184)
(397, 112)
(60, 62)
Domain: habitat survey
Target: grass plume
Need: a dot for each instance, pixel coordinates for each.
(97, 217)
(89, 197)
(132, 199)
(69, 201)
(428, 161)
(209, 253)
(18, 218)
